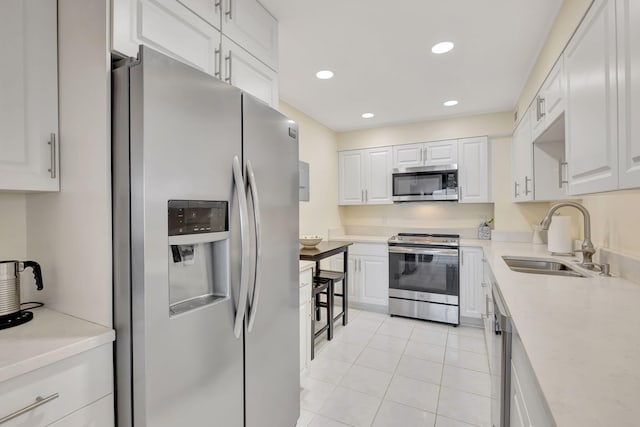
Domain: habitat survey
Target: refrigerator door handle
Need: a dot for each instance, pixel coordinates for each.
(244, 236)
(251, 180)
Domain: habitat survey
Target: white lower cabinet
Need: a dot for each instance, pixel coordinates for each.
(98, 414)
(528, 405)
(472, 297)
(67, 386)
(368, 274)
(306, 278)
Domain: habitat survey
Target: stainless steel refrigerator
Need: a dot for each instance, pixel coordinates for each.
(205, 225)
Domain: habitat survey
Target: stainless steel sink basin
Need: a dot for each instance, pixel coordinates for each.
(541, 266)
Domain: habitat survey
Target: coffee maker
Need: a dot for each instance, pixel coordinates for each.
(10, 312)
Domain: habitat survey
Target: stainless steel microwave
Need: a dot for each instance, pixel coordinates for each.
(426, 183)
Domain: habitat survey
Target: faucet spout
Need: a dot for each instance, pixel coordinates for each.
(587, 248)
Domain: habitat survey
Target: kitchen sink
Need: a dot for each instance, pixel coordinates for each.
(541, 266)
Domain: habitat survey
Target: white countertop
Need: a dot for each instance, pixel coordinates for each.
(305, 265)
(362, 239)
(48, 338)
(582, 337)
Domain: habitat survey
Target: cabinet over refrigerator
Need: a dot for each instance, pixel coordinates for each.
(205, 217)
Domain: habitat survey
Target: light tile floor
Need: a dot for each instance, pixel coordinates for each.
(384, 371)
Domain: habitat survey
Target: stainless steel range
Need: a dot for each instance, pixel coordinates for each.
(424, 276)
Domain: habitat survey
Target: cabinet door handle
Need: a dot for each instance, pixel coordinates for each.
(217, 4)
(228, 61)
(484, 284)
(362, 195)
(543, 105)
(52, 146)
(217, 58)
(561, 179)
(229, 11)
(38, 402)
(486, 306)
(515, 189)
(366, 195)
(526, 185)
(421, 155)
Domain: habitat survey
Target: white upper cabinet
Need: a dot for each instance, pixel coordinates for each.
(243, 70)
(408, 155)
(203, 33)
(474, 172)
(441, 152)
(521, 160)
(365, 176)
(425, 154)
(592, 102)
(378, 175)
(168, 27)
(29, 143)
(628, 19)
(350, 167)
(250, 25)
(549, 103)
(209, 10)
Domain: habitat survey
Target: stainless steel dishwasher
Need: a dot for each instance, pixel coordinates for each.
(500, 361)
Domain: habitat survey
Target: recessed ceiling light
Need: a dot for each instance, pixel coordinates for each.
(450, 103)
(442, 47)
(324, 74)
(367, 115)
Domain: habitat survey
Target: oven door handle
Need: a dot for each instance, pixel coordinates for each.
(423, 251)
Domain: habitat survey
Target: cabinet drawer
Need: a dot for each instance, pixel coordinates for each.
(77, 381)
(374, 249)
(98, 414)
(305, 294)
(305, 277)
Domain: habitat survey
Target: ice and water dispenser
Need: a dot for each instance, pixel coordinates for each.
(199, 254)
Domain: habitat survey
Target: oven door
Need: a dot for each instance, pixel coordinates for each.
(424, 274)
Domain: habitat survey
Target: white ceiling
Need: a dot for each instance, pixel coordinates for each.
(380, 52)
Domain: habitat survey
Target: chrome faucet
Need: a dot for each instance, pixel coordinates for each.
(587, 246)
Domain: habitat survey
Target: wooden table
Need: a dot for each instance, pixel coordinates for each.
(325, 250)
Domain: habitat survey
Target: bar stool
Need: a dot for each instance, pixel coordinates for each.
(319, 288)
(335, 277)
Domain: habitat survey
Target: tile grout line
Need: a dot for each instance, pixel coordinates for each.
(390, 381)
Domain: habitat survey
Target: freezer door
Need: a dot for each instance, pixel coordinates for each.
(272, 376)
(187, 366)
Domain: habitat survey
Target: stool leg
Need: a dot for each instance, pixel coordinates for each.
(330, 309)
(317, 307)
(313, 329)
(345, 293)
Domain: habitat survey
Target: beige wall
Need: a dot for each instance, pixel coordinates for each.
(498, 126)
(69, 232)
(318, 146)
(615, 220)
(567, 20)
(13, 226)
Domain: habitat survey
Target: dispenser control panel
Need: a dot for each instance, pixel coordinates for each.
(197, 216)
